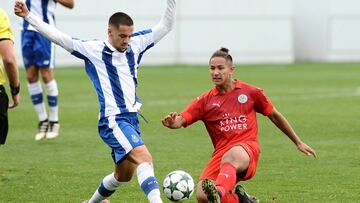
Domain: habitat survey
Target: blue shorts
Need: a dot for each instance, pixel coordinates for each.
(121, 133)
(37, 50)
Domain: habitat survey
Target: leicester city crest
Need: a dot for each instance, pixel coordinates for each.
(242, 98)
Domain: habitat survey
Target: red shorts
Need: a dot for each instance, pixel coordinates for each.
(212, 168)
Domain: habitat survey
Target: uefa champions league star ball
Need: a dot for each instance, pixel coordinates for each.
(178, 186)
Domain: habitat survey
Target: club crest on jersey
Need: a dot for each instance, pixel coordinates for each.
(242, 98)
(134, 138)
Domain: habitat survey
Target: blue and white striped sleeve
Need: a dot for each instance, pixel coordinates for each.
(51, 32)
(80, 49)
(143, 40)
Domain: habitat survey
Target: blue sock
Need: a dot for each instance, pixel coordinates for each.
(106, 188)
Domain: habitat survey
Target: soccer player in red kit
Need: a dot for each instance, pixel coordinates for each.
(229, 114)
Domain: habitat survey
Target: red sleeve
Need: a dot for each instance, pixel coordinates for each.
(193, 112)
(263, 104)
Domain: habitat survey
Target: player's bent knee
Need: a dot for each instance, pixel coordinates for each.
(145, 158)
(47, 78)
(140, 155)
(32, 78)
(237, 156)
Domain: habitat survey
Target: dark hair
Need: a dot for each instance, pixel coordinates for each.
(224, 53)
(120, 18)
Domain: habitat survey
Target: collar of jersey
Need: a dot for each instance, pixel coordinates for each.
(237, 86)
(107, 43)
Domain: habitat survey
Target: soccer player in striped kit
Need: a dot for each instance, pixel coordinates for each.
(38, 56)
(112, 65)
(229, 114)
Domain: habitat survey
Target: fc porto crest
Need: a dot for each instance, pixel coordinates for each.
(134, 138)
(242, 98)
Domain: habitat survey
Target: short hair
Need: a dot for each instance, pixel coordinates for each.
(120, 18)
(223, 53)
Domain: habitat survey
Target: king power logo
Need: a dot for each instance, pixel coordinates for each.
(229, 123)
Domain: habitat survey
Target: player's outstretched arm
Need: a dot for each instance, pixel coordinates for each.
(167, 21)
(282, 123)
(53, 34)
(173, 121)
(67, 3)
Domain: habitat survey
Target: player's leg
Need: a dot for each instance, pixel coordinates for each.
(114, 180)
(36, 94)
(206, 189)
(235, 161)
(138, 159)
(4, 102)
(140, 155)
(116, 133)
(145, 173)
(244, 158)
(28, 41)
(52, 93)
(45, 61)
(122, 134)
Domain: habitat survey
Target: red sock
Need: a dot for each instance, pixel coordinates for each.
(226, 179)
(230, 197)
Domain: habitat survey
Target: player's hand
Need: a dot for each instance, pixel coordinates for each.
(16, 99)
(20, 9)
(306, 149)
(168, 121)
(173, 121)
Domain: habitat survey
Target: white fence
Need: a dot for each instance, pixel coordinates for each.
(327, 30)
(255, 31)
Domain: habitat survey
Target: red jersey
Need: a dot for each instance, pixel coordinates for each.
(230, 117)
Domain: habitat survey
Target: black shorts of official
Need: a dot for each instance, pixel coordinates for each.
(4, 125)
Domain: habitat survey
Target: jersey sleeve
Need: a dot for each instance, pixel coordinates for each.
(143, 40)
(80, 48)
(194, 111)
(50, 32)
(167, 21)
(5, 31)
(263, 104)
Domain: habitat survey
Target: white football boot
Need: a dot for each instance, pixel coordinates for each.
(53, 130)
(43, 127)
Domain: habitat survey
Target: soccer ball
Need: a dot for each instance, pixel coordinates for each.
(178, 186)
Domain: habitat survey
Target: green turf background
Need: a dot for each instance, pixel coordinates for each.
(321, 101)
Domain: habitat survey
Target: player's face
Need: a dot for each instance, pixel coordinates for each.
(120, 37)
(220, 71)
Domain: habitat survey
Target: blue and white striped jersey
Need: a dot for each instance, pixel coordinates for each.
(114, 74)
(43, 9)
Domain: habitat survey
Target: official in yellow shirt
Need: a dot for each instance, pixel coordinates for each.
(8, 70)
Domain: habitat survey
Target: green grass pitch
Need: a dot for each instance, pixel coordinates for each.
(321, 101)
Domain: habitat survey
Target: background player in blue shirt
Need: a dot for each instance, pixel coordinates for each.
(38, 56)
(112, 66)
